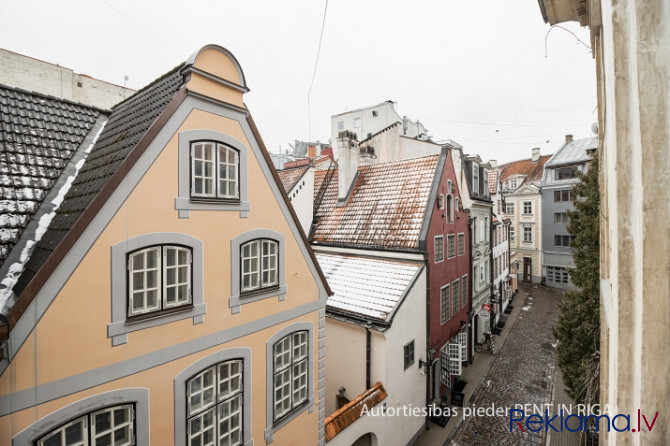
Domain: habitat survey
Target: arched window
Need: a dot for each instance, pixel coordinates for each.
(259, 264)
(214, 171)
(450, 208)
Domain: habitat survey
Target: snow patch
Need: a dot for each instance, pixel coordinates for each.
(526, 308)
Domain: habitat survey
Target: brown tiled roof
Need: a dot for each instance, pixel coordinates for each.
(126, 126)
(350, 412)
(532, 171)
(289, 177)
(386, 209)
(38, 136)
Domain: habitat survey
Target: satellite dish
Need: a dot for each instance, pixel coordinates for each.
(594, 128)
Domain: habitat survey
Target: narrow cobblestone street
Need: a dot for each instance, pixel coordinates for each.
(523, 373)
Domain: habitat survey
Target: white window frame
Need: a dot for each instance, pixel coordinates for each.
(475, 179)
(528, 234)
(527, 208)
(224, 406)
(464, 290)
(461, 243)
(357, 123)
(221, 185)
(445, 303)
(408, 354)
(512, 233)
(88, 427)
(290, 373)
(265, 273)
(451, 246)
(508, 207)
(512, 183)
(455, 296)
(163, 285)
(451, 361)
(439, 248)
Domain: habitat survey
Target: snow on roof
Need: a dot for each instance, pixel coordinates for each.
(365, 287)
(386, 209)
(574, 152)
(289, 177)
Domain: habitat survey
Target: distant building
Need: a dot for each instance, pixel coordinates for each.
(521, 181)
(560, 174)
(30, 74)
(500, 223)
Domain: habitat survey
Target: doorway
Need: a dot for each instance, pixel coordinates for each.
(527, 269)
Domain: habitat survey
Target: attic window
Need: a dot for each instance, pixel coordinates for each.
(214, 171)
(512, 184)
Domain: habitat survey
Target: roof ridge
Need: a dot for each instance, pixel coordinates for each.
(150, 85)
(54, 98)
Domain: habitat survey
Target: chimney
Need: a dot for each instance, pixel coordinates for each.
(347, 151)
(568, 138)
(311, 151)
(493, 163)
(536, 155)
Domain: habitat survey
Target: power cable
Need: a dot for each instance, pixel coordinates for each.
(316, 64)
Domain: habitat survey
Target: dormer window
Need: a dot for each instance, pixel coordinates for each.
(512, 184)
(475, 179)
(214, 171)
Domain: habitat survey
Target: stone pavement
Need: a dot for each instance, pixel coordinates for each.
(523, 372)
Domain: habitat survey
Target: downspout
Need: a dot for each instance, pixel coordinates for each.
(428, 345)
(471, 288)
(368, 354)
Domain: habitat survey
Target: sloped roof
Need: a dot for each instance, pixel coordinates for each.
(573, 152)
(532, 171)
(126, 126)
(493, 181)
(289, 177)
(386, 209)
(38, 136)
(366, 287)
(350, 412)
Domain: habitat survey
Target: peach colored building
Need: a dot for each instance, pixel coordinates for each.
(173, 299)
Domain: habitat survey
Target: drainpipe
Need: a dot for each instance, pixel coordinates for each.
(368, 353)
(428, 359)
(470, 291)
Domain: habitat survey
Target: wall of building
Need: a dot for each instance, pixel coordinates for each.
(302, 199)
(634, 95)
(31, 74)
(50, 371)
(532, 250)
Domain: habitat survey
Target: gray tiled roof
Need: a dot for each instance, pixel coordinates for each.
(573, 152)
(126, 126)
(38, 136)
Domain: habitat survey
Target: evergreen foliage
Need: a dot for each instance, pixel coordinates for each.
(578, 326)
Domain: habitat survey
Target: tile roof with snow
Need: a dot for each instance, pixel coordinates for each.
(574, 152)
(38, 136)
(366, 288)
(127, 124)
(289, 177)
(386, 209)
(532, 171)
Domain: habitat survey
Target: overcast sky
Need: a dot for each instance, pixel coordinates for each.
(473, 71)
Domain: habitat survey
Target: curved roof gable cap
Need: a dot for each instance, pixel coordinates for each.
(207, 59)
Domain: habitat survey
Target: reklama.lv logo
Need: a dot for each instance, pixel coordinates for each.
(536, 422)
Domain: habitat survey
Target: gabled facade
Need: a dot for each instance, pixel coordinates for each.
(173, 299)
(521, 182)
(476, 175)
(560, 174)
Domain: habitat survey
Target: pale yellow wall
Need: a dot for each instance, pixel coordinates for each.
(161, 397)
(532, 250)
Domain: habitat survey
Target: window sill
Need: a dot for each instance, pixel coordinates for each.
(236, 301)
(283, 421)
(185, 205)
(118, 331)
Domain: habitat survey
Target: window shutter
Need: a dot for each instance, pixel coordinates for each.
(455, 359)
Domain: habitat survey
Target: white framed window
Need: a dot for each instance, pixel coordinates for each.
(528, 234)
(509, 208)
(566, 173)
(111, 425)
(557, 274)
(485, 236)
(439, 248)
(159, 278)
(451, 246)
(357, 122)
(450, 208)
(455, 296)
(214, 171)
(485, 186)
(512, 232)
(527, 207)
(560, 217)
(290, 373)
(340, 126)
(451, 361)
(215, 408)
(445, 303)
(563, 195)
(512, 184)
(475, 178)
(259, 264)
(461, 244)
(475, 229)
